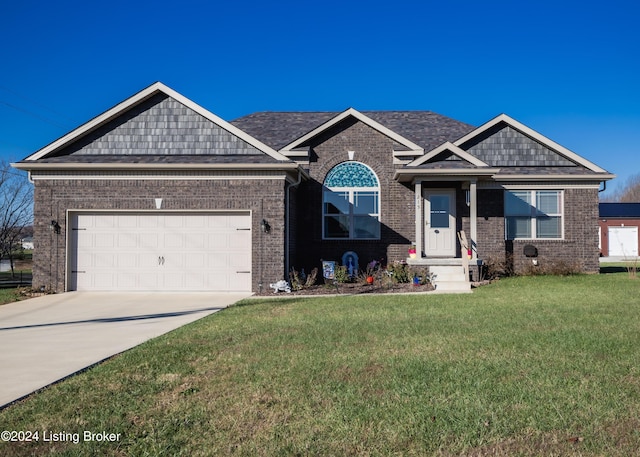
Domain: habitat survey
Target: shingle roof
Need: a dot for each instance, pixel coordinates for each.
(425, 128)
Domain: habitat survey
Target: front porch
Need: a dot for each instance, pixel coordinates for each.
(450, 274)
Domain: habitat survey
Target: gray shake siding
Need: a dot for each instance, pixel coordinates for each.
(504, 146)
(160, 126)
(264, 198)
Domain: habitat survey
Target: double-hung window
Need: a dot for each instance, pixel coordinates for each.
(533, 214)
(351, 203)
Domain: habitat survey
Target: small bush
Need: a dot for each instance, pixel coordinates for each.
(342, 274)
(422, 273)
(399, 272)
(311, 278)
(299, 280)
(495, 267)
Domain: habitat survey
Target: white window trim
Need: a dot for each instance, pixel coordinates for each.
(533, 194)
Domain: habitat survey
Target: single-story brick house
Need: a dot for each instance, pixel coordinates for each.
(619, 234)
(158, 193)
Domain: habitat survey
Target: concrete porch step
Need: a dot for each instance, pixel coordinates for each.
(449, 278)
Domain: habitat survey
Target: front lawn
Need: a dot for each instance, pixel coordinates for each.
(525, 366)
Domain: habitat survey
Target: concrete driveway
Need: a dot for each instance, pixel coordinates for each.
(45, 339)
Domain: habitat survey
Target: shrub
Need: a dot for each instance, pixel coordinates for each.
(399, 272)
(496, 267)
(295, 280)
(342, 274)
(311, 278)
(552, 267)
(420, 272)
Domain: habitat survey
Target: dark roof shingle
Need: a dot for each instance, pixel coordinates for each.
(425, 128)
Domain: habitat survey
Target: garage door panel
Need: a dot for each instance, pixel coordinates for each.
(126, 222)
(191, 222)
(173, 240)
(148, 221)
(127, 240)
(240, 261)
(238, 239)
(174, 222)
(105, 260)
(126, 280)
(219, 222)
(104, 221)
(149, 241)
(173, 281)
(84, 238)
(128, 260)
(103, 280)
(147, 281)
(195, 242)
(105, 240)
(195, 261)
(161, 251)
(217, 241)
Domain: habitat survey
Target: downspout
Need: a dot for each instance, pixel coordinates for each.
(288, 223)
(604, 187)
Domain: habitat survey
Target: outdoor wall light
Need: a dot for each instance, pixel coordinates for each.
(264, 225)
(54, 227)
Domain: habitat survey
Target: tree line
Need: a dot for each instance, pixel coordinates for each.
(627, 193)
(16, 210)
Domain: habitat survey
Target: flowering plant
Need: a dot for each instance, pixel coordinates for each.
(372, 267)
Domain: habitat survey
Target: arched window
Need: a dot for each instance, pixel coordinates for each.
(351, 203)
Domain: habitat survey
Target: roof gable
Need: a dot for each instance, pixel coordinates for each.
(505, 142)
(156, 121)
(448, 152)
(423, 128)
(352, 113)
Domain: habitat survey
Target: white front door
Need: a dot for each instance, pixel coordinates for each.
(440, 222)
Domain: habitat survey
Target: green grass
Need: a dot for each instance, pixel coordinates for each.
(9, 295)
(525, 366)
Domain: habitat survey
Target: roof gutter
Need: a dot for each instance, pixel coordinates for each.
(153, 166)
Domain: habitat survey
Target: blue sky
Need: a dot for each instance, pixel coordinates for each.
(568, 69)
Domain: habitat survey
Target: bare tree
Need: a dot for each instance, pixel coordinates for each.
(16, 209)
(627, 193)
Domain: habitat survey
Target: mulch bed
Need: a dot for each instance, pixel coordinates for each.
(354, 288)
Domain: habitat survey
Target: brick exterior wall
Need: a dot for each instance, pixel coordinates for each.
(53, 198)
(579, 246)
(396, 200)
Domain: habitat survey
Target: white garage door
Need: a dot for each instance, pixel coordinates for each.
(623, 241)
(166, 251)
